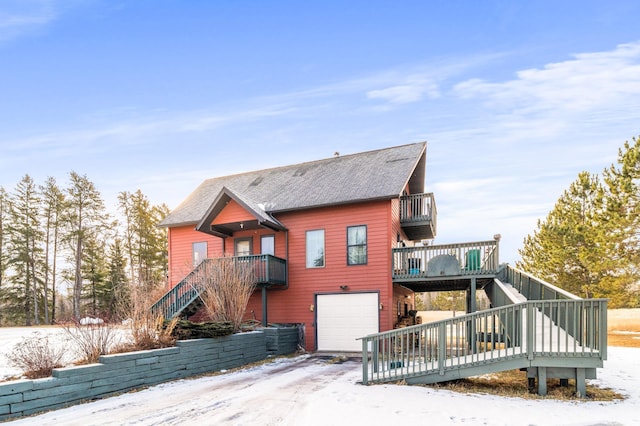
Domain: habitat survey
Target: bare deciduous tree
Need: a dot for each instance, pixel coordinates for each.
(226, 288)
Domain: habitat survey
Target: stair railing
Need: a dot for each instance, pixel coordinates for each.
(266, 269)
(183, 293)
(533, 288)
(517, 331)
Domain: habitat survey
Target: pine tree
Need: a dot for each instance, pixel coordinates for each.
(145, 243)
(53, 206)
(622, 194)
(85, 216)
(26, 258)
(564, 248)
(94, 272)
(119, 290)
(4, 261)
(589, 243)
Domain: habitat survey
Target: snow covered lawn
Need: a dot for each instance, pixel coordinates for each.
(308, 390)
(11, 336)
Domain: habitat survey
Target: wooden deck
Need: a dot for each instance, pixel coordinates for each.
(533, 326)
(445, 267)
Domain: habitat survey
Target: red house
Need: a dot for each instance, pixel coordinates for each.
(320, 235)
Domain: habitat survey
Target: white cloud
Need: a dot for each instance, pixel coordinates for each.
(413, 91)
(588, 81)
(21, 17)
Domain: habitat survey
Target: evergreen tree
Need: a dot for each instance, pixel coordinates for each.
(145, 243)
(96, 290)
(53, 207)
(26, 258)
(85, 216)
(4, 261)
(118, 289)
(564, 250)
(589, 243)
(622, 184)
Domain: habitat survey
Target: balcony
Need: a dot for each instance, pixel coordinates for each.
(444, 267)
(267, 269)
(418, 216)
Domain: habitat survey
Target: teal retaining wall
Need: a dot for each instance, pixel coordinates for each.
(123, 372)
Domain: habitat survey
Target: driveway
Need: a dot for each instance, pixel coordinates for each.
(275, 393)
(311, 390)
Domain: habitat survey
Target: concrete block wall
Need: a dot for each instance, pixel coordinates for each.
(123, 372)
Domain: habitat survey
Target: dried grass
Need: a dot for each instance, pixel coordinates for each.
(514, 383)
(36, 356)
(91, 340)
(148, 329)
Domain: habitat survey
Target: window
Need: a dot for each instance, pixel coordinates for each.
(357, 245)
(199, 251)
(315, 248)
(268, 244)
(242, 246)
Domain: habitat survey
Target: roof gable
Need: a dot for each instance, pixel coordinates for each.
(371, 175)
(222, 200)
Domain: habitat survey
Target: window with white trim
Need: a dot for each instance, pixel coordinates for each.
(315, 248)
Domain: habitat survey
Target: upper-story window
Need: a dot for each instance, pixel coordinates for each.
(315, 248)
(199, 251)
(357, 245)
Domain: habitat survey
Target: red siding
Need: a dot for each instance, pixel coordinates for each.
(296, 304)
(233, 212)
(181, 240)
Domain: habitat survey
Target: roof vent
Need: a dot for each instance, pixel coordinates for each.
(336, 154)
(256, 181)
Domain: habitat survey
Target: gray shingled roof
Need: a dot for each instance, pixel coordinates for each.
(380, 174)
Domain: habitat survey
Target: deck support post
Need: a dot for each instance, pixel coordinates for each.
(264, 306)
(471, 308)
(542, 381)
(581, 386)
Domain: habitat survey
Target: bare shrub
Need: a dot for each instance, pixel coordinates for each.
(91, 340)
(36, 356)
(226, 289)
(148, 329)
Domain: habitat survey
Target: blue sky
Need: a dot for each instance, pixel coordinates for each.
(514, 98)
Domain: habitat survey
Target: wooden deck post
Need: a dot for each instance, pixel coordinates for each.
(264, 306)
(542, 381)
(581, 386)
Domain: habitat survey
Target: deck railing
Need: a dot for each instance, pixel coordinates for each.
(418, 208)
(533, 288)
(520, 331)
(267, 269)
(446, 260)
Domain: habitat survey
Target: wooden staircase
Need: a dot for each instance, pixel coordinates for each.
(184, 298)
(533, 326)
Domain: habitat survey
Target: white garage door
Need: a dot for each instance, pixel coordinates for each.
(341, 318)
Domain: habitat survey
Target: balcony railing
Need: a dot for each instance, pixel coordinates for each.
(446, 260)
(418, 216)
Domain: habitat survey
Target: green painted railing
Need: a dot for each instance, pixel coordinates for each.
(267, 269)
(519, 333)
(477, 258)
(418, 208)
(531, 287)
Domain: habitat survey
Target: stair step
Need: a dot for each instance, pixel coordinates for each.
(515, 292)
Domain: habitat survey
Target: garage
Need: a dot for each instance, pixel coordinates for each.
(342, 318)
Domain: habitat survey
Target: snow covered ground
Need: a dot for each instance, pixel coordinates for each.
(11, 336)
(308, 390)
